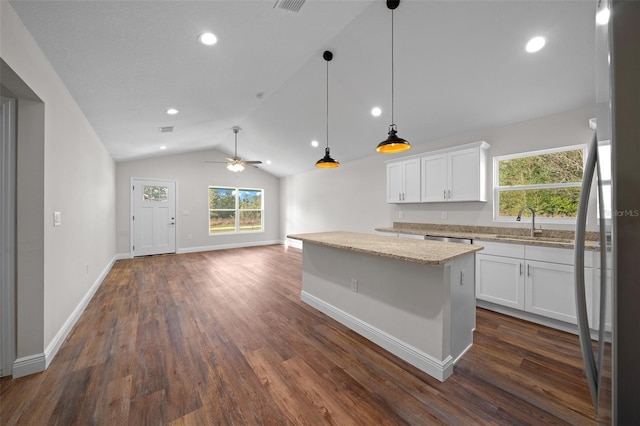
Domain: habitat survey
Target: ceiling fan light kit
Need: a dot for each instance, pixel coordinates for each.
(327, 162)
(235, 167)
(393, 143)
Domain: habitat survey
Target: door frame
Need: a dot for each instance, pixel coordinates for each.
(8, 236)
(132, 209)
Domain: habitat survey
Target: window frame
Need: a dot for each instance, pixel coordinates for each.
(237, 210)
(498, 189)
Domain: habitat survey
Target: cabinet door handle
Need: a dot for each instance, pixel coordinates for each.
(444, 194)
(399, 196)
(520, 269)
(449, 194)
(528, 270)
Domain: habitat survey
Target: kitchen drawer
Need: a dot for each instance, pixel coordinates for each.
(556, 255)
(501, 249)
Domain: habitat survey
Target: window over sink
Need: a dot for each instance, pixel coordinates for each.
(549, 181)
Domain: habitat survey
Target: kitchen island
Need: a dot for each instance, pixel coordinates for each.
(414, 298)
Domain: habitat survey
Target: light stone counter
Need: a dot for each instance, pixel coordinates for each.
(549, 237)
(418, 251)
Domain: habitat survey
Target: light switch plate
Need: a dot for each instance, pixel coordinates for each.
(57, 218)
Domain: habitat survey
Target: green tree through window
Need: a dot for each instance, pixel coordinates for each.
(547, 181)
(234, 210)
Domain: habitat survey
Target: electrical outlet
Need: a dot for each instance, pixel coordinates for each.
(443, 216)
(189, 236)
(354, 285)
(400, 214)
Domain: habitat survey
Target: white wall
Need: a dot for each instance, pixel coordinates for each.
(348, 198)
(63, 167)
(352, 197)
(194, 177)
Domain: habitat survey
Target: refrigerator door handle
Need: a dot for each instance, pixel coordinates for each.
(602, 323)
(590, 367)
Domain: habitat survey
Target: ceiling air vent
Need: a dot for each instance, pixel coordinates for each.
(290, 5)
(166, 129)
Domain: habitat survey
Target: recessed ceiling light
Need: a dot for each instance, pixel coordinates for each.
(535, 44)
(314, 144)
(163, 147)
(208, 39)
(602, 17)
(268, 161)
(172, 111)
(376, 111)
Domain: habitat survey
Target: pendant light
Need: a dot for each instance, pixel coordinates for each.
(393, 143)
(327, 162)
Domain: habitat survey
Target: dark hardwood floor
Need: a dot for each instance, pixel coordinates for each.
(222, 338)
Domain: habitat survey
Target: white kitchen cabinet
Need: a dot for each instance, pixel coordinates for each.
(403, 181)
(499, 280)
(534, 279)
(596, 300)
(550, 291)
(435, 178)
(456, 174)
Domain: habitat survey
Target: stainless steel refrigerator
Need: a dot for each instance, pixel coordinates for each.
(612, 358)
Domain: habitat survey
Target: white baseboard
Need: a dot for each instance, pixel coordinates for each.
(29, 365)
(293, 243)
(121, 256)
(52, 349)
(228, 246)
(425, 362)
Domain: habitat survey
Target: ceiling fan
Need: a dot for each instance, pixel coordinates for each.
(235, 163)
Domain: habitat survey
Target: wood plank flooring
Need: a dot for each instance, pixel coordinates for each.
(222, 338)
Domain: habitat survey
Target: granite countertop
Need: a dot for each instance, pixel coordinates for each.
(549, 237)
(418, 251)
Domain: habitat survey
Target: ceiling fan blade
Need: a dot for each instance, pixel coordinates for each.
(217, 162)
(252, 162)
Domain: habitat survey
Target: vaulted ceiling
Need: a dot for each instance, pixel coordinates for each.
(459, 66)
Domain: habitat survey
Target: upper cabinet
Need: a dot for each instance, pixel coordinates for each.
(403, 181)
(454, 174)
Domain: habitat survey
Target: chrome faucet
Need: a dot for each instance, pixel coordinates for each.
(533, 218)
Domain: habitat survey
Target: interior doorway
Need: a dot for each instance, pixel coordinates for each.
(153, 217)
(7, 233)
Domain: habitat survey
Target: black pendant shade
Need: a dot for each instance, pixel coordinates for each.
(393, 143)
(327, 162)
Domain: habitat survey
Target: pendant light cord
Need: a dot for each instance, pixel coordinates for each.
(392, 76)
(327, 104)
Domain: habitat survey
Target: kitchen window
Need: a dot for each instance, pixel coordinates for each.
(549, 181)
(235, 210)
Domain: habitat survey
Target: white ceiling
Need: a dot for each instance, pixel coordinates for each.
(459, 66)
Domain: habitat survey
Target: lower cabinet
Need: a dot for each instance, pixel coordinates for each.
(550, 291)
(534, 279)
(499, 280)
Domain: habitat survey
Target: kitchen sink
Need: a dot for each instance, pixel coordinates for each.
(529, 238)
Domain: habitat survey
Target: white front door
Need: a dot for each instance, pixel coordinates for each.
(153, 221)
